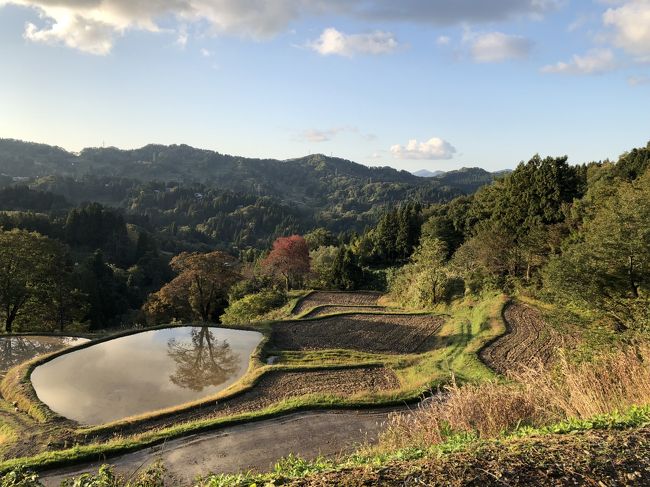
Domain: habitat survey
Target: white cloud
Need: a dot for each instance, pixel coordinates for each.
(325, 135)
(182, 37)
(93, 25)
(334, 42)
(315, 135)
(443, 40)
(80, 33)
(630, 23)
(596, 61)
(638, 80)
(434, 148)
(206, 52)
(496, 47)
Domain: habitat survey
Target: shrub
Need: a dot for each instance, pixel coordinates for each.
(253, 306)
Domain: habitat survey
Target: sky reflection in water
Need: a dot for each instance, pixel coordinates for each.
(144, 372)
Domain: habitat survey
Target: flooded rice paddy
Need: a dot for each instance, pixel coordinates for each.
(144, 372)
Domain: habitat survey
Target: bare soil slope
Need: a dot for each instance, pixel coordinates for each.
(528, 339)
(332, 309)
(379, 333)
(321, 298)
(271, 389)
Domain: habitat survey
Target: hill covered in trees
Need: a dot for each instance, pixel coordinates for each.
(314, 181)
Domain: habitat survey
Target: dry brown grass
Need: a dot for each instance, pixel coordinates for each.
(538, 396)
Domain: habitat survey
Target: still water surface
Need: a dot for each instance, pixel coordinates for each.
(17, 349)
(144, 372)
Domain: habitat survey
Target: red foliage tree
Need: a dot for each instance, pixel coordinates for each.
(289, 259)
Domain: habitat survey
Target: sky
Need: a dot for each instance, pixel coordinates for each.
(414, 84)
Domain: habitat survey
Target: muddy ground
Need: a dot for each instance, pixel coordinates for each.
(528, 339)
(253, 446)
(321, 298)
(274, 387)
(378, 333)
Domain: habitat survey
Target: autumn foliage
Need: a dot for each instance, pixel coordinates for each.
(288, 260)
(198, 291)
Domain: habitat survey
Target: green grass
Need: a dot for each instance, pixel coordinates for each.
(470, 327)
(7, 435)
(294, 467)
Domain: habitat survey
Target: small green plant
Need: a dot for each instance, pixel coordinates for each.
(153, 476)
(20, 478)
(296, 466)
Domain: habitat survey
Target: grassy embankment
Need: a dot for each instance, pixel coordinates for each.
(509, 432)
(470, 326)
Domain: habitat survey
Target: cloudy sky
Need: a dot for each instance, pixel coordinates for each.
(434, 84)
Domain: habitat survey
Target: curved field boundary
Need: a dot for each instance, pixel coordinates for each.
(335, 298)
(17, 386)
(333, 309)
(367, 332)
(80, 454)
(528, 340)
(118, 445)
(244, 447)
(273, 387)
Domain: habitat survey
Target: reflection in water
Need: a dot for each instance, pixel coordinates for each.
(17, 349)
(143, 372)
(203, 361)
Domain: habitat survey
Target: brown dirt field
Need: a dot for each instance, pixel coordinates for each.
(274, 387)
(527, 340)
(321, 298)
(330, 309)
(596, 458)
(379, 333)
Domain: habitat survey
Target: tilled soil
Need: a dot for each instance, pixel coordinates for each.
(528, 340)
(378, 333)
(596, 458)
(321, 298)
(331, 309)
(274, 387)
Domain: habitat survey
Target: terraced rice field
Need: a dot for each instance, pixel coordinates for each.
(333, 309)
(275, 387)
(323, 298)
(528, 340)
(378, 333)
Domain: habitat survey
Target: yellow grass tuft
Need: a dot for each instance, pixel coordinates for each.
(538, 396)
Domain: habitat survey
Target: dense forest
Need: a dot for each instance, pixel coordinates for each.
(196, 235)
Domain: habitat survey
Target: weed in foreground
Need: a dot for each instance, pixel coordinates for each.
(537, 397)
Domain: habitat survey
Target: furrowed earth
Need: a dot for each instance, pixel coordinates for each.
(363, 356)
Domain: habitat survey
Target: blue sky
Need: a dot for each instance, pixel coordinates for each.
(435, 84)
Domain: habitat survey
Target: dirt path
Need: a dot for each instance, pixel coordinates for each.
(322, 298)
(379, 333)
(527, 339)
(253, 446)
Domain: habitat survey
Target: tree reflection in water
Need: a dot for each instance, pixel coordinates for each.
(202, 362)
(17, 349)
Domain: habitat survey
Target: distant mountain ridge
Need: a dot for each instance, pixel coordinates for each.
(315, 182)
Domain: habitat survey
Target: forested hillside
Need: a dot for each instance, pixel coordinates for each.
(316, 181)
(571, 234)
